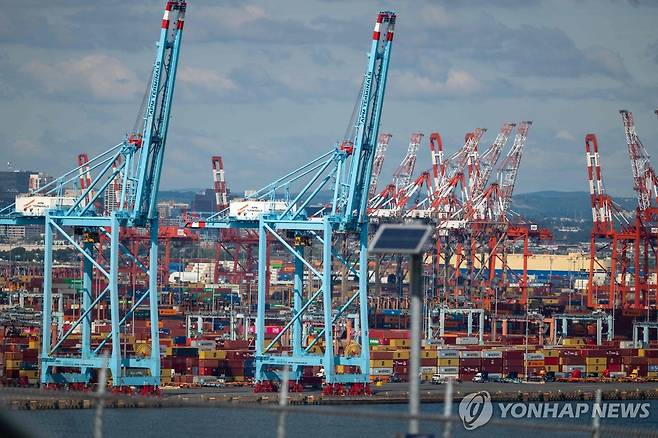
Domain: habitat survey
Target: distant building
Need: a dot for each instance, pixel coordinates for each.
(20, 232)
(204, 201)
(171, 212)
(13, 183)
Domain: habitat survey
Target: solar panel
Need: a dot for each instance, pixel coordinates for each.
(400, 239)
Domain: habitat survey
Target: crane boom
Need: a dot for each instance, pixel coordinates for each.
(380, 153)
(644, 177)
(368, 118)
(156, 117)
(219, 183)
(402, 175)
(509, 168)
(490, 157)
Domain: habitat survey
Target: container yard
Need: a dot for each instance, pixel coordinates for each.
(347, 277)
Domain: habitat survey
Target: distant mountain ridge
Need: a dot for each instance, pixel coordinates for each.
(537, 206)
(553, 204)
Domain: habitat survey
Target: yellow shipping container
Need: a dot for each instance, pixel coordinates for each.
(238, 379)
(212, 354)
(33, 343)
(381, 363)
(573, 342)
(595, 361)
(402, 355)
(383, 348)
(429, 354)
(400, 342)
(640, 352)
(30, 374)
(652, 373)
(448, 362)
(165, 372)
(595, 368)
(13, 364)
(165, 380)
(535, 363)
(551, 353)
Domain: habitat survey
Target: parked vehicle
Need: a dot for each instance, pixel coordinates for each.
(438, 379)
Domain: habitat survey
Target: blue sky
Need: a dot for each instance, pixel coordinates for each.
(271, 84)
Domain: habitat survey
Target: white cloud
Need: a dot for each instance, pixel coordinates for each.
(563, 134)
(205, 79)
(101, 76)
(606, 61)
(457, 82)
(230, 17)
(438, 16)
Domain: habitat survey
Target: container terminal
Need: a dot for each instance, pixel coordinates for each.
(97, 272)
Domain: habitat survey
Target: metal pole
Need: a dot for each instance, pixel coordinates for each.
(283, 401)
(596, 418)
(416, 263)
(102, 383)
(447, 409)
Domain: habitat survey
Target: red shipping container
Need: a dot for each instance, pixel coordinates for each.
(381, 355)
(551, 361)
(470, 362)
(614, 367)
(428, 362)
(513, 362)
(513, 354)
(573, 360)
(401, 370)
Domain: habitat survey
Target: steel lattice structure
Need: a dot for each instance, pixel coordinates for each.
(133, 167)
(341, 228)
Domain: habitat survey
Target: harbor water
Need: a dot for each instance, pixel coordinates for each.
(242, 422)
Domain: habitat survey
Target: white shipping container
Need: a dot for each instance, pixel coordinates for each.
(449, 370)
(467, 354)
(38, 205)
(570, 368)
(381, 371)
(252, 210)
(534, 356)
(492, 354)
(448, 376)
(427, 370)
(449, 353)
(467, 340)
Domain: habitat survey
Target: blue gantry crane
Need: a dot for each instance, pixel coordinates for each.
(128, 174)
(281, 214)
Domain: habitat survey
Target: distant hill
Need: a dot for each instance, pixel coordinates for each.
(552, 204)
(176, 196)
